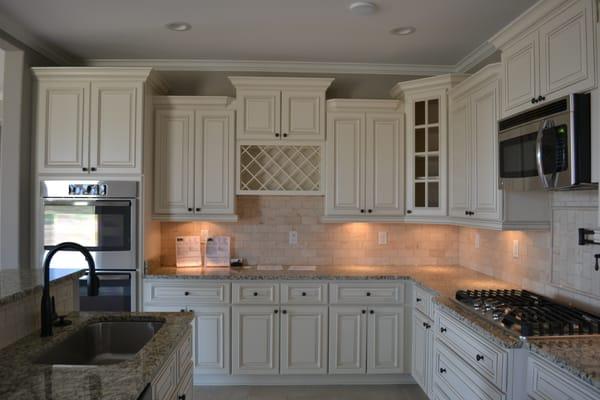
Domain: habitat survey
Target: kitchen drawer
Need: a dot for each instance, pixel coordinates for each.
(489, 360)
(164, 386)
(451, 371)
(187, 292)
(184, 354)
(304, 293)
(366, 293)
(256, 293)
(423, 301)
(545, 381)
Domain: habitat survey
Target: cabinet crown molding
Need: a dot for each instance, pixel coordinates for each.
(435, 82)
(217, 101)
(266, 82)
(364, 105)
(527, 21)
(490, 71)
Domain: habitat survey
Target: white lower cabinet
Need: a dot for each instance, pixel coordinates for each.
(212, 339)
(385, 337)
(255, 340)
(303, 340)
(422, 350)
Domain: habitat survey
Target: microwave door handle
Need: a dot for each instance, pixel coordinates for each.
(539, 156)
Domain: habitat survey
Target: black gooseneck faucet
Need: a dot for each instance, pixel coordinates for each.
(92, 286)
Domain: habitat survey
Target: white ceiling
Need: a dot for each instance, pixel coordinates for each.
(278, 30)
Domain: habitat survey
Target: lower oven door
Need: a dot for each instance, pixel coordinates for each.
(117, 292)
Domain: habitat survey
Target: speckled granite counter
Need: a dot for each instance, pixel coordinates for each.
(15, 284)
(580, 355)
(21, 378)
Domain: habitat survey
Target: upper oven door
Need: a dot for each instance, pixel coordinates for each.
(106, 227)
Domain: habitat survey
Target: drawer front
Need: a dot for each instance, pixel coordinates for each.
(184, 355)
(303, 293)
(164, 386)
(487, 359)
(451, 371)
(180, 293)
(255, 293)
(547, 382)
(422, 300)
(366, 293)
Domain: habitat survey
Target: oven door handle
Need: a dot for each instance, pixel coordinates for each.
(539, 155)
(88, 202)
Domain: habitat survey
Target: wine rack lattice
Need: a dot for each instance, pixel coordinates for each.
(280, 168)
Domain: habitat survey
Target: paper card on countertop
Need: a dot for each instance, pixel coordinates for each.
(302, 268)
(269, 267)
(218, 251)
(188, 251)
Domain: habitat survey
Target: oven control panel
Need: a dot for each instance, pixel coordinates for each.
(87, 189)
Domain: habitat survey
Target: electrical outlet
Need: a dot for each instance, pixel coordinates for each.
(477, 240)
(293, 238)
(203, 235)
(515, 248)
(596, 237)
(382, 238)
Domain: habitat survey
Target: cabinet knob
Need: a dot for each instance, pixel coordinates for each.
(187, 293)
(284, 311)
(409, 211)
(276, 311)
(533, 101)
(362, 210)
(181, 397)
(84, 169)
(479, 357)
(427, 326)
(277, 135)
(368, 294)
(371, 312)
(255, 294)
(93, 169)
(424, 324)
(541, 98)
(303, 293)
(190, 209)
(364, 311)
(419, 299)
(198, 209)
(285, 135)
(442, 370)
(369, 211)
(182, 310)
(442, 329)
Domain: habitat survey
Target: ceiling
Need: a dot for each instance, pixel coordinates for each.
(274, 30)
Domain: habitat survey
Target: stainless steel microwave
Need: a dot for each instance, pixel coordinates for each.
(547, 147)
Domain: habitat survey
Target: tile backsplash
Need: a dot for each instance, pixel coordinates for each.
(261, 236)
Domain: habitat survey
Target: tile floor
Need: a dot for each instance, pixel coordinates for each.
(378, 392)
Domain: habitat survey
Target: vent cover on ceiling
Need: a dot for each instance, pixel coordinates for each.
(280, 169)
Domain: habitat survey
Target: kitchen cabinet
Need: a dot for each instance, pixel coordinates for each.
(347, 340)
(548, 53)
(422, 350)
(426, 109)
(280, 108)
(194, 160)
(474, 196)
(174, 380)
(212, 337)
(365, 160)
(90, 121)
(255, 340)
(385, 335)
(304, 340)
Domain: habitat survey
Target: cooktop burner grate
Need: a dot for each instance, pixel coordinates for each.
(529, 314)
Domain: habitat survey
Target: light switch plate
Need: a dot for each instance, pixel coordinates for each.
(477, 240)
(203, 235)
(293, 237)
(515, 248)
(382, 238)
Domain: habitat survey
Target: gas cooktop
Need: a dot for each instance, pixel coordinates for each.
(529, 314)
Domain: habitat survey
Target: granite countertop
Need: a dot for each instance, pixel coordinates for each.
(579, 355)
(18, 283)
(21, 378)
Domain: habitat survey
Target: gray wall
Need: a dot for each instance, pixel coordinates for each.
(196, 83)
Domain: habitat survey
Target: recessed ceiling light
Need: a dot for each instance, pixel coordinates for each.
(178, 26)
(403, 30)
(363, 8)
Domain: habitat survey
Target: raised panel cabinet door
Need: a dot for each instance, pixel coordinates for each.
(259, 114)
(486, 198)
(174, 174)
(212, 339)
(460, 158)
(213, 162)
(347, 340)
(62, 126)
(567, 51)
(255, 340)
(116, 127)
(302, 115)
(385, 340)
(304, 340)
(521, 73)
(384, 164)
(421, 350)
(345, 189)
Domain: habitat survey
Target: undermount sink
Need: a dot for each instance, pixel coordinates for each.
(101, 343)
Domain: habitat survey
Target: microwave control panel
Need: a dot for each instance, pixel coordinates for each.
(87, 189)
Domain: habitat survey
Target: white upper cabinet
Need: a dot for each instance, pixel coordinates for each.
(426, 108)
(91, 120)
(280, 108)
(365, 159)
(194, 158)
(548, 52)
(460, 158)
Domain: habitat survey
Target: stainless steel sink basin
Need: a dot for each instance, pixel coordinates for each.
(101, 343)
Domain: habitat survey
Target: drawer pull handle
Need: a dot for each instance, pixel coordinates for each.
(419, 299)
(479, 357)
(442, 329)
(368, 294)
(442, 370)
(255, 294)
(304, 294)
(187, 293)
